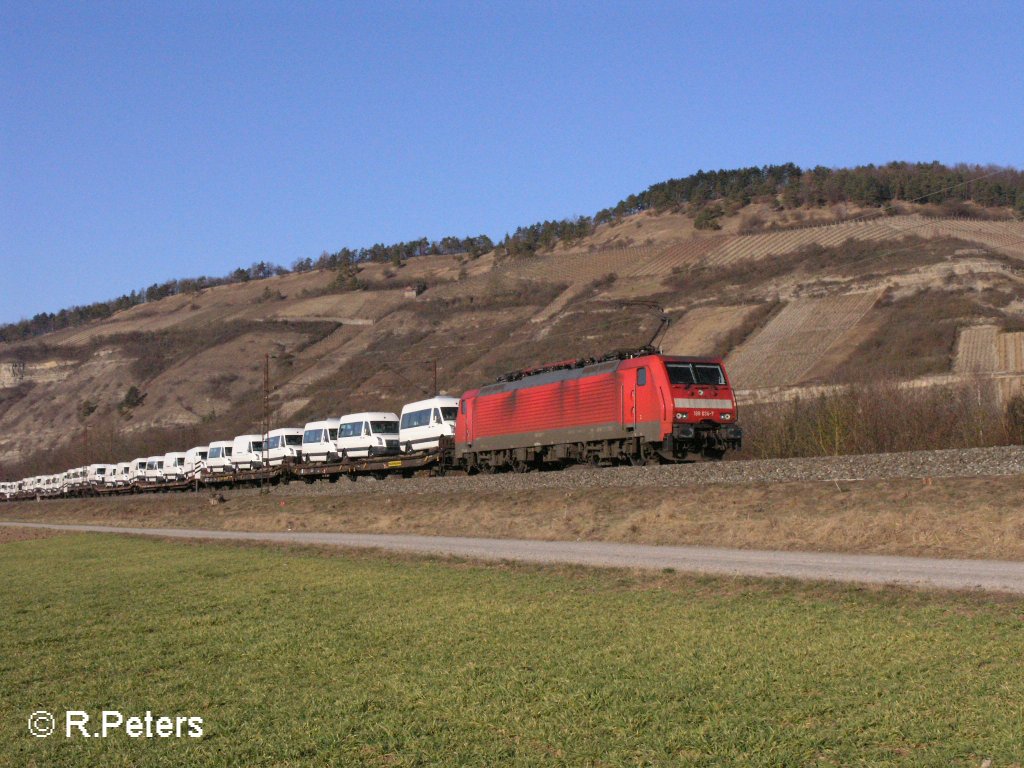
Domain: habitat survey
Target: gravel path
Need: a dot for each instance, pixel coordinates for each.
(992, 575)
(970, 462)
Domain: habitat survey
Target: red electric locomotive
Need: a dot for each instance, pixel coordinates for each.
(630, 407)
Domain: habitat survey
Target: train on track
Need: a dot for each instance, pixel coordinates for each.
(629, 407)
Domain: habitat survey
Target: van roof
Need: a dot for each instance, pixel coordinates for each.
(371, 416)
(439, 401)
(322, 423)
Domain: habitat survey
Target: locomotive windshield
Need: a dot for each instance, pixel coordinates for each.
(695, 373)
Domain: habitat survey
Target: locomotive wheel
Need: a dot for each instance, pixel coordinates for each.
(520, 467)
(643, 457)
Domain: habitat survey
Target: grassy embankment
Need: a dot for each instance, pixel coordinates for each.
(295, 658)
(980, 517)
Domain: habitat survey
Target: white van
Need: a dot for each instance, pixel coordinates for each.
(138, 470)
(154, 469)
(110, 477)
(425, 421)
(123, 473)
(76, 479)
(247, 452)
(373, 433)
(284, 444)
(95, 473)
(318, 438)
(195, 461)
(218, 456)
(174, 466)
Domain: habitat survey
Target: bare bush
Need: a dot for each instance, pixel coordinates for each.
(880, 418)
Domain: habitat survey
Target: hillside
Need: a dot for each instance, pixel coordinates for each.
(794, 299)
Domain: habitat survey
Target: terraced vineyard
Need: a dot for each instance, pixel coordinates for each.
(681, 254)
(578, 267)
(700, 331)
(1007, 236)
(795, 339)
(1011, 352)
(977, 350)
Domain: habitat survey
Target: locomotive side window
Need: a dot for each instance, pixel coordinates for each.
(641, 376)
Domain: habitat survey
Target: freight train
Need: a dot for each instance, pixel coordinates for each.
(631, 407)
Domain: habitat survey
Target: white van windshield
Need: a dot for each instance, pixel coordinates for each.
(292, 440)
(449, 414)
(384, 427)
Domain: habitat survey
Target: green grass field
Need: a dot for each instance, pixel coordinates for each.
(297, 658)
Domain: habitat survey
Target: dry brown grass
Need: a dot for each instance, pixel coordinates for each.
(9, 534)
(940, 517)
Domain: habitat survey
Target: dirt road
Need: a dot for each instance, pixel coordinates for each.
(994, 575)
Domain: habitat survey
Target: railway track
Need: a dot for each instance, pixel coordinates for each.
(968, 462)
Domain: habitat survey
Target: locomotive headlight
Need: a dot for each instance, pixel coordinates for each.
(679, 416)
(726, 416)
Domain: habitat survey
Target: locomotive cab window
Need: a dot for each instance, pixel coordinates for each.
(695, 373)
(641, 376)
(709, 374)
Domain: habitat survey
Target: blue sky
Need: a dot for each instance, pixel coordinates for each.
(145, 141)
